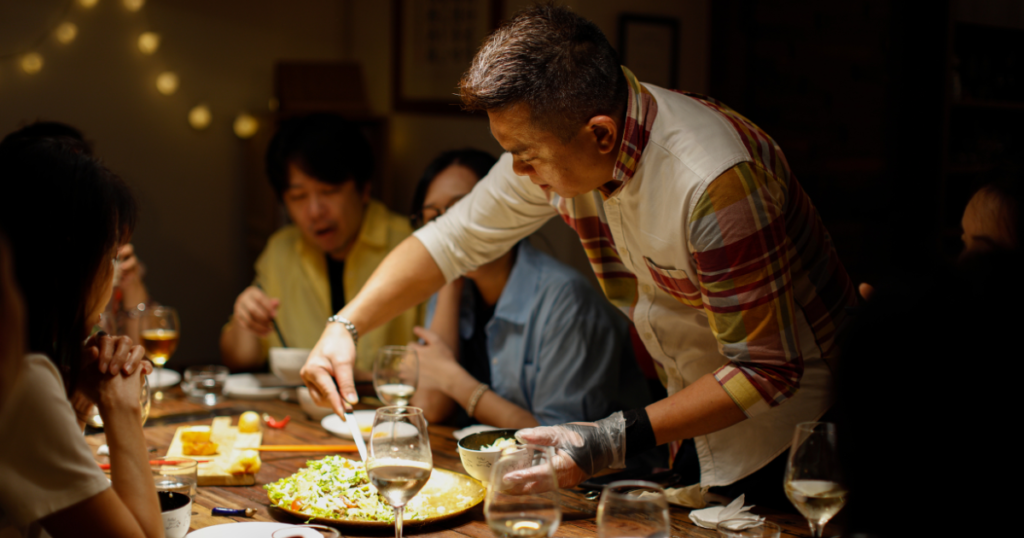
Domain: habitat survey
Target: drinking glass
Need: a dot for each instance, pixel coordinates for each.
(632, 508)
(813, 480)
(176, 474)
(145, 401)
(159, 328)
(512, 513)
(747, 528)
(399, 462)
(396, 371)
(205, 384)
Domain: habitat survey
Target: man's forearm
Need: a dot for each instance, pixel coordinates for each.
(699, 409)
(406, 278)
(240, 348)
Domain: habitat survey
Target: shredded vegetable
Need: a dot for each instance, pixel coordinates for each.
(334, 488)
(500, 443)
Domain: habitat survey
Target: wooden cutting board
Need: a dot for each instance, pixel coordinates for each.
(232, 442)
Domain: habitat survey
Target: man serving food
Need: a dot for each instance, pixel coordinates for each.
(694, 225)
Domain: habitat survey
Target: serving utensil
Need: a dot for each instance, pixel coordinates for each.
(357, 434)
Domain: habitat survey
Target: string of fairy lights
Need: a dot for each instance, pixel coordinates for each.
(167, 83)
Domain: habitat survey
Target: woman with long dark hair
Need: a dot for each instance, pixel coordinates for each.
(65, 216)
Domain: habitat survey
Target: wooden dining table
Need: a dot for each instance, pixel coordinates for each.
(578, 513)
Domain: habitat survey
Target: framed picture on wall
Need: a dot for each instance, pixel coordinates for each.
(649, 47)
(434, 44)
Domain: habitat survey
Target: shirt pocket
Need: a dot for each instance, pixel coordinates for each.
(676, 283)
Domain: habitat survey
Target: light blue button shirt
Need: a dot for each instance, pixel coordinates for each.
(557, 347)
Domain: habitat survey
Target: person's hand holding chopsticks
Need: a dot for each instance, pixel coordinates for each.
(255, 311)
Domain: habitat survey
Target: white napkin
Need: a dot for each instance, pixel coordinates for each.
(710, 517)
(689, 496)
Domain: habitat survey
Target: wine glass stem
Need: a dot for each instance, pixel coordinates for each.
(398, 521)
(817, 527)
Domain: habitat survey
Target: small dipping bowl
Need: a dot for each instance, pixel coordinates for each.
(314, 411)
(176, 509)
(286, 362)
(478, 462)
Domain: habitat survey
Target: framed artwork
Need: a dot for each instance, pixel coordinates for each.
(649, 47)
(434, 44)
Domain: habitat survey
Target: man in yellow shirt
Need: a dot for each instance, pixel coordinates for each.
(320, 167)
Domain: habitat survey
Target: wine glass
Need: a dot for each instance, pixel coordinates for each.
(400, 462)
(631, 508)
(145, 401)
(396, 371)
(513, 513)
(813, 476)
(159, 329)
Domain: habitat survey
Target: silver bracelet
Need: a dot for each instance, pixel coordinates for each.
(475, 398)
(348, 325)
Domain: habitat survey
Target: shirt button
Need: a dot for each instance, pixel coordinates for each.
(494, 361)
(648, 335)
(646, 288)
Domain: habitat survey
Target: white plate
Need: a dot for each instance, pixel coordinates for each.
(249, 529)
(253, 386)
(167, 378)
(470, 430)
(335, 425)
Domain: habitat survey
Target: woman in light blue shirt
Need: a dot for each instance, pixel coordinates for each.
(523, 340)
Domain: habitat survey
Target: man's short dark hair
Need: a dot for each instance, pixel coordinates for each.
(551, 59)
(52, 129)
(324, 146)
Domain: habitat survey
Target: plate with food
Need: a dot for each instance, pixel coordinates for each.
(337, 490)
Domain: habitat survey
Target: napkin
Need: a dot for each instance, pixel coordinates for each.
(710, 517)
(459, 434)
(689, 496)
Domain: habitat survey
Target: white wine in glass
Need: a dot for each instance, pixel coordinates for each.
(396, 372)
(813, 480)
(159, 330)
(513, 514)
(399, 461)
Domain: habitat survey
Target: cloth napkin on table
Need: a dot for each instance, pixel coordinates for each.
(710, 517)
(688, 497)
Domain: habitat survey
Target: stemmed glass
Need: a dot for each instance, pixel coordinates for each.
(813, 476)
(400, 462)
(512, 512)
(631, 508)
(159, 330)
(396, 372)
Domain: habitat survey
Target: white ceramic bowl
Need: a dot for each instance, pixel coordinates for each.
(314, 411)
(478, 462)
(286, 362)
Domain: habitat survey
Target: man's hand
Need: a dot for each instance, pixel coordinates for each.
(255, 311)
(332, 360)
(436, 360)
(582, 449)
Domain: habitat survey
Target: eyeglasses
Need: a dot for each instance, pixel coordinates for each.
(420, 218)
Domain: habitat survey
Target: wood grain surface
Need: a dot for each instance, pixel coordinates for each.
(578, 519)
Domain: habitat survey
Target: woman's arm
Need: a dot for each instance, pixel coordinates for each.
(439, 369)
(436, 405)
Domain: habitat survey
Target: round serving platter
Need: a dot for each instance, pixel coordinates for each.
(447, 494)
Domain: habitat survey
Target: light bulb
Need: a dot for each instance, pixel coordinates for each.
(199, 117)
(134, 5)
(246, 125)
(67, 32)
(87, 4)
(167, 82)
(32, 63)
(149, 42)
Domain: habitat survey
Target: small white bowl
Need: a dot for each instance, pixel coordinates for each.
(314, 411)
(286, 362)
(478, 462)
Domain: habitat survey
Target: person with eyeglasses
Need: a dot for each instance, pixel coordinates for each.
(521, 341)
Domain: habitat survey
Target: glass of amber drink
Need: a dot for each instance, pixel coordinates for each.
(159, 329)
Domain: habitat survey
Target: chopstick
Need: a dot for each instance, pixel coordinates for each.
(106, 466)
(274, 321)
(307, 448)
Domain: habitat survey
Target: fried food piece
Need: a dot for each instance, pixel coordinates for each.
(249, 422)
(246, 462)
(196, 434)
(199, 448)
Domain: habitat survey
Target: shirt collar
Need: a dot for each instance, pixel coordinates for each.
(641, 110)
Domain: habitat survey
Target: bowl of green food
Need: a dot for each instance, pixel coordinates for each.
(480, 450)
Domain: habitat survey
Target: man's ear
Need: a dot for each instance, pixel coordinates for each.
(604, 132)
